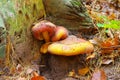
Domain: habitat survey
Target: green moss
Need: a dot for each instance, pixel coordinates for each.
(25, 13)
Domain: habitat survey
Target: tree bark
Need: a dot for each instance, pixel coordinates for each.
(68, 13)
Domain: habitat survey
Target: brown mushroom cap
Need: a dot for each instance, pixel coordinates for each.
(43, 27)
(70, 46)
(60, 33)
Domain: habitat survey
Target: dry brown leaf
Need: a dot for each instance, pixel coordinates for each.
(36, 76)
(96, 16)
(109, 45)
(112, 16)
(107, 61)
(116, 40)
(19, 68)
(71, 73)
(21, 78)
(99, 74)
(12, 70)
(1, 72)
(83, 71)
(8, 50)
(93, 41)
(106, 43)
(29, 71)
(91, 56)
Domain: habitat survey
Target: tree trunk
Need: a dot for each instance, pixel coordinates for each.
(68, 13)
(23, 16)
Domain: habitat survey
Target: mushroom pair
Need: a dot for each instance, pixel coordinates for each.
(62, 43)
(45, 30)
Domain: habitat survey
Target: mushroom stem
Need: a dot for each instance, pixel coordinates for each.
(46, 36)
(44, 47)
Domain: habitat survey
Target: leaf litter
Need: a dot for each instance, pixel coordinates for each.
(106, 43)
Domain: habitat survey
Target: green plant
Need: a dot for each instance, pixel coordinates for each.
(112, 24)
(26, 12)
(108, 27)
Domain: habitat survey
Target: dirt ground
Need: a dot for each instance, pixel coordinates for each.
(54, 67)
(58, 68)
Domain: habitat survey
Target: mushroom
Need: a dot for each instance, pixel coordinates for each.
(43, 30)
(60, 33)
(44, 47)
(70, 46)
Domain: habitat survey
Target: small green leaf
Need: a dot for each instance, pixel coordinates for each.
(99, 25)
(82, 15)
(114, 24)
(2, 51)
(76, 3)
(106, 31)
(2, 25)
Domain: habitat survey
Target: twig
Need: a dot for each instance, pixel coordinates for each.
(111, 47)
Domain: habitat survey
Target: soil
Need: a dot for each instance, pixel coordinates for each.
(58, 67)
(113, 70)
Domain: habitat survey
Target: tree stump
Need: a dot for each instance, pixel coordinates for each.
(58, 67)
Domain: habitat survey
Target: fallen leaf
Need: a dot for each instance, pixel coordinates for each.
(36, 76)
(91, 56)
(1, 72)
(20, 78)
(29, 71)
(71, 73)
(110, 44)
(106, 44)
(8, 50)
(12, 69)
(93, 41)
(19, 68)
(107, 61)
(116, 40)
(83, 71)
(112, 16)
(96, 16)
(99, 74)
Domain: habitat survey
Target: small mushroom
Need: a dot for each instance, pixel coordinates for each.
(70, 46)
(60, 33)
(44, 47)
(43, 30)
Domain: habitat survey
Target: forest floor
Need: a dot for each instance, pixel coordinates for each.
(102, 64)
